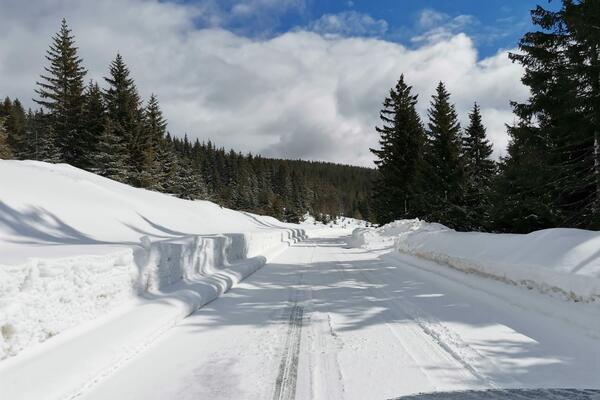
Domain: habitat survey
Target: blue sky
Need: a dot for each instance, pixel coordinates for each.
(492, 24)
(284, 78)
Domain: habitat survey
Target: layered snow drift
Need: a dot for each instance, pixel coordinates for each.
(75, 246)
(552, 260)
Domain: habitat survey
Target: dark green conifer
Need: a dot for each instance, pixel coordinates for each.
(398, 190)
(445, 180)
(123, 108)
(479, 171)
(61, 92)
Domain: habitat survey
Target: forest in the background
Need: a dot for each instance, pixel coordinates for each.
(549, 178)
(434, 170)
(109, 130)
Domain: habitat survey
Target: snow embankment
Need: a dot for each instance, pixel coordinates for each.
(566, 261)
(76, 247)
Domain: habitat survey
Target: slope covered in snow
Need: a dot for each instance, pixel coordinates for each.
(57, 210)
(74, 246)
(566, 261)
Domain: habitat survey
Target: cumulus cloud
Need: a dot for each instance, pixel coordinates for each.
(301, 94)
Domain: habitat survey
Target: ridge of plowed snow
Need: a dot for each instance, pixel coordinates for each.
(551, 260)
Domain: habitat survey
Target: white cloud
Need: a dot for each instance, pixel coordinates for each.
(299, 94)
(253, 17)
(429, 18)
(349, 23)
(439, 26)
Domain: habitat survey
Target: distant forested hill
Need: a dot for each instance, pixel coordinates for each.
(285, 189)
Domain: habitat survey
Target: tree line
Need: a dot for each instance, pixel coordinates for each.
(112, 132)
(550, 176)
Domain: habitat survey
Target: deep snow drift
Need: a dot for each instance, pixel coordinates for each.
(74, 246)
(566, 261)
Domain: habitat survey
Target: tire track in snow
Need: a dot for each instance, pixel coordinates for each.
(448, 340)
(299, 297)
(285, 384)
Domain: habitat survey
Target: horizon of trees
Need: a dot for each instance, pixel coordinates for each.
(434, 170)
(551, 174)
(111, 131)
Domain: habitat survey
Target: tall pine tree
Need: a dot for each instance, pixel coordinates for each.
(123, 107)
(479, 171)
(550, 177)
(61, 92)
(398, 189)
(446, 176)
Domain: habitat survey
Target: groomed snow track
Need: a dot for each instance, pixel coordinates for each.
(324, 321)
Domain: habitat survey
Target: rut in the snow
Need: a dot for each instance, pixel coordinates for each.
(285, 385)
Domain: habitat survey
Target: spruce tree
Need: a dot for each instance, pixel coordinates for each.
(550, 177)
(446, 175)
(123, 109)
(398, 189)
(60, 91)
(479, 171)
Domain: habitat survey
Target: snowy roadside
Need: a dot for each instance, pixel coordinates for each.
(102, 269)
(94, 349)
(556, 261)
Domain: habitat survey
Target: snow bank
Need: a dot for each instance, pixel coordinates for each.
(75, 246)
(46, 297)
(566, 261)
(176, 279)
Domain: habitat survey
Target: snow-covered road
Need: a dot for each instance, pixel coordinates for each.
(324, 321)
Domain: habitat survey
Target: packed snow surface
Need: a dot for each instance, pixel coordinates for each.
(325, 321)
(566, 261)
(123, 281)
